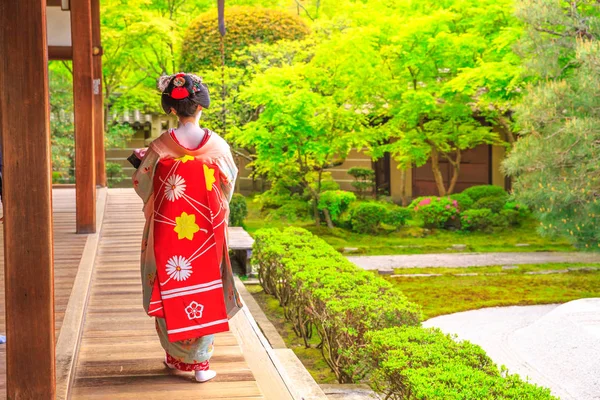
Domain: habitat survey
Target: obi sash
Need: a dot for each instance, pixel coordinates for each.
(190, 221)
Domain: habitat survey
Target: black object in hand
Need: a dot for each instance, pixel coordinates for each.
(134, 160)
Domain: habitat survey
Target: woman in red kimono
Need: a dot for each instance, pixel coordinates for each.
(186, 179)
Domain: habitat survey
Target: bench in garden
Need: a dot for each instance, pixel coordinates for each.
(240, 243)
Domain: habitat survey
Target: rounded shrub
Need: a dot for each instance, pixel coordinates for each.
(477, 220)
(495, 203)
(479, 192)
(245, 26)
(438, 212)
(238, 210)
(397, 216)
(523, 211)
(366, 217)
(511, 217)
(464, 201)
(336, 202)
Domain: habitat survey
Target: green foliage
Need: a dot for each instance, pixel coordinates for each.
(319, 288)
(245, 26)
(524, 211)
(477, 220)
(493, 203)
(303, 127)
(555, 162)
(61, 123)
(336, 202)
(366, 217)
(416, 363)
(238, 210)
(117, 135)
(438, 212)
(364, 180)
(463, 200)
(114, 173)
(512, 217)
(397, 216)
(479, 192)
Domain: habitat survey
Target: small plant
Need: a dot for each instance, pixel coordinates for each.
(364, 180)
(479, 192)
(438, 212)
(333, 203)
(238, 210)
(495, 203)
(397, 216)
(366, 217)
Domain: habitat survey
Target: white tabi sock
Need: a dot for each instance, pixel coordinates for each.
(203, 376)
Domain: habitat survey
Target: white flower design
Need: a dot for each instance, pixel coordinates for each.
(179, 268)
(175, 187)
(194, 310)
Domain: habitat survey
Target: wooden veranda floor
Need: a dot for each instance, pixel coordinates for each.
(119, 355)
(68, 248)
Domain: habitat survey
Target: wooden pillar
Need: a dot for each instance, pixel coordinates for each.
(98, 97)
(83, 102)
(27, 195)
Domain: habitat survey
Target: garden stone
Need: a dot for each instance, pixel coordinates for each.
(385, 271)
(415, 275)
(350, 249)
(459, 247)
(509, 267)
(468, 274)
(522, 245)
(549, 272)
(584, 269)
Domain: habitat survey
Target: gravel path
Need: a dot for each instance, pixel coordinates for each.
(555, 346)
(388, 263)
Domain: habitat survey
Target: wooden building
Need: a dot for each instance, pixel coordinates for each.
(31, 33)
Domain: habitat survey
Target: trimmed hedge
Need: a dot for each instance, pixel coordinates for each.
(479, 192)
(494, 203)
(396, 216)
(246, 26)
(438, 212)
(367, 217)
(368, 329)
(416, 363)
(464, 201)
(336, 202)
(319, 288)
(477, 220)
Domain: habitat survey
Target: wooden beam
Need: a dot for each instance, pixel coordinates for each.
(60, 53)
(83, 102)
(27, 196)
(98, 96)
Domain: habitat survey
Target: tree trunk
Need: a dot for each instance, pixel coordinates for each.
(328, 218)
(437, 174)
(510, 136)
(403, 195)
(455, 171)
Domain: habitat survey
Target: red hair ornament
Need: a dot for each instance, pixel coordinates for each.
(179, 92)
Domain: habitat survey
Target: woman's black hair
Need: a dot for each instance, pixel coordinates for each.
(197, 95)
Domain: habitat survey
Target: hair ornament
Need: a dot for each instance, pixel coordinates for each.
(179, 80)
